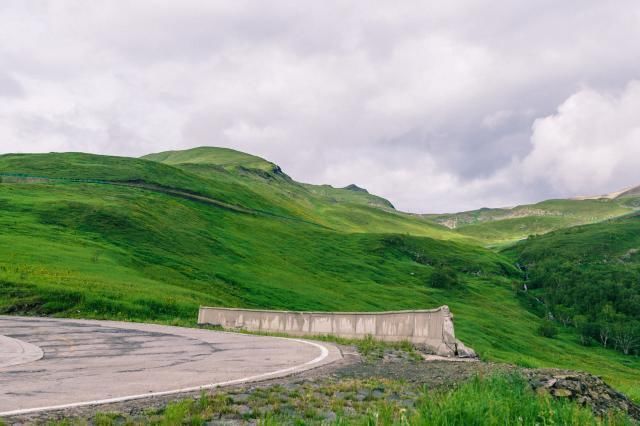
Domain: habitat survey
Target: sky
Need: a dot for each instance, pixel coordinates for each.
(437, 106)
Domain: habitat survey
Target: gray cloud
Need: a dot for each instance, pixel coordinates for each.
(9, 86)
(438, 106)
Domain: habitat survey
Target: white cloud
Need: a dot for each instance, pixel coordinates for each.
(427, 103)
(591, 145)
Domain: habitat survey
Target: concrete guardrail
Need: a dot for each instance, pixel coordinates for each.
(431, 329)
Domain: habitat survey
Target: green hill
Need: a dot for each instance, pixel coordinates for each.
(506, 225)
(587, 277)
(347, 209)
(225, 158)
(110, 237)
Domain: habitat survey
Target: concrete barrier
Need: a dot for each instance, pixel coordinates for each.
(431, 328)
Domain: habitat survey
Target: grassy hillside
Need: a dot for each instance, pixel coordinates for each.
(224, 158)
(343, 209)
(506, 225)
(588, 278)
(133, 246)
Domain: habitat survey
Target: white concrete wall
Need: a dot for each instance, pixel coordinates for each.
(431, 328)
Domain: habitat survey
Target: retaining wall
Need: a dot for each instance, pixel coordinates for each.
(432, 328)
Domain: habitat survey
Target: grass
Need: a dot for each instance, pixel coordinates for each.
(117, 252)
(491, 400)
(499, 227)
(502, 399)
(369, 347)
(223, 158)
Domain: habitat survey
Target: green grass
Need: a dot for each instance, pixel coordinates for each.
(369, 347)
(498, 227)
(500, 399)
(221, 157)
(119, 252)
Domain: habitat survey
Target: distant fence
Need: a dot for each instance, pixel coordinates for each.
(431, 328)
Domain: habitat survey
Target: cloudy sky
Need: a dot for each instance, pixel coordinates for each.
(438, 106)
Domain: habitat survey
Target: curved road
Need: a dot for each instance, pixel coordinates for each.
(50, 363)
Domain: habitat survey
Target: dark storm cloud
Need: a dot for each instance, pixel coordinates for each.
(435, 105)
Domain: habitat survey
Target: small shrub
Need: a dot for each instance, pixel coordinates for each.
(444, 277)
(548, 329)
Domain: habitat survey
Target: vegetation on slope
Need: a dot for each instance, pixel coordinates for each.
(588, 277)
(137, 253)
(497, 399)
(501, 226)
(342, 209)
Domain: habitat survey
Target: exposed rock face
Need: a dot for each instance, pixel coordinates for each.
(586, 389)
(463, 351)
(354, 187)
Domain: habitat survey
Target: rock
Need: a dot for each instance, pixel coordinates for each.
(267, 409)
(561, 393)
(349, 411)
(356, 188)
(377, 393)
(583, 400)
(585, 389)
(444, 350)
(409, 403)
(243, 410)
(240, 398)
(330, 416)
(464, 351)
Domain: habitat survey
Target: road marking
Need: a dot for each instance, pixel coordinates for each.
(324, 352)
(16, 352)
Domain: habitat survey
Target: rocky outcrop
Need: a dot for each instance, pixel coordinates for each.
(583, 388)
(356, 188)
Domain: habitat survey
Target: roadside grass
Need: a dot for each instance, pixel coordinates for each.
(369, 347)
(499, 398)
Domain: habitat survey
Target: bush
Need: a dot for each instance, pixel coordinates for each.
(444, 277)
(548, 329)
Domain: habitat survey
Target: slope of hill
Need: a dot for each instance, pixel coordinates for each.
(142, 240)
(338, 208)
(587, 277)
(612, 195)
(505, 225)
(631, 192)
(225, 158)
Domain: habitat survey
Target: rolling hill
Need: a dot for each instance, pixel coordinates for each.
(151, 239)
(587, 277)
(500, 226)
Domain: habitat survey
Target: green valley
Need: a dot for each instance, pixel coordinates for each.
(503, 226)
(151, 239)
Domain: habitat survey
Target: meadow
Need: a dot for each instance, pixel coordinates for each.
(128, 248)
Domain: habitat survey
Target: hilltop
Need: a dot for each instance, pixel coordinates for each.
(153, 238)
(349, 209)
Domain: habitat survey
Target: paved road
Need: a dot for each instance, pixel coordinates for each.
(87, 362)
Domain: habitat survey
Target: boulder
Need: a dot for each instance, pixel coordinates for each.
(586, 389)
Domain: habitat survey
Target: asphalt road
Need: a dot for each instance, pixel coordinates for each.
(54, 363)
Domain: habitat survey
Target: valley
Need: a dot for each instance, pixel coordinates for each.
(152, 239)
